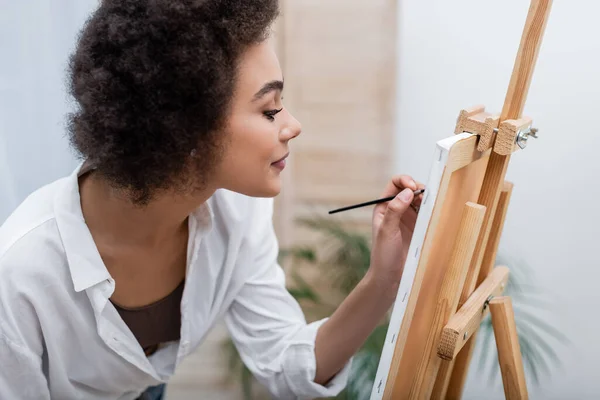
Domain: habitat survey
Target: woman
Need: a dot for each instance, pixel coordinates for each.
(113, 275)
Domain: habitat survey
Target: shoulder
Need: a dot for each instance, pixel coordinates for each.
(32, 267)
(34, 211)
(30, 236)
(31, 252)
(31, 228)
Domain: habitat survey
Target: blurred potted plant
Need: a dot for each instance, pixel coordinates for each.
(343, 256)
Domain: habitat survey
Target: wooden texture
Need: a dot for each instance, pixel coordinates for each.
(486, 139)
(491, 249)
(531, 40)
(479, 122)
(509, 352)
(458, 375)
(514, 103)
(447, 297)
(488, 197)
(440, 388)
(464, 122)
(460, 184)
(490, 193)
(442, 381)
(466, 321)
(451, 154)
(506, 139)
(421, 311)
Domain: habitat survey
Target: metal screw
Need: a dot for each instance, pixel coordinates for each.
(465, 335)
(523, 135)
(533, 132)
(487, 301)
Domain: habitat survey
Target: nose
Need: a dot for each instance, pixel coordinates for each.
(292, 129)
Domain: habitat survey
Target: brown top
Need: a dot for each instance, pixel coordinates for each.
(155, 323)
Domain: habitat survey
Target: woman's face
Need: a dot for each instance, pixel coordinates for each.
(259, 127)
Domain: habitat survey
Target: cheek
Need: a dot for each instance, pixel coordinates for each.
(254, 145)
(261, 141)
(247, 164)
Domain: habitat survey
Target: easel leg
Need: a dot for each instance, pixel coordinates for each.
(460, 370)
(452, 376)
(509, 352)
(448, 297)
(440, 388)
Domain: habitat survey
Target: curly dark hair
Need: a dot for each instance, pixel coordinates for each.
(153, 80)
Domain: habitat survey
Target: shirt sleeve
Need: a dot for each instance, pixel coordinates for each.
(21, 375)
(268, 326)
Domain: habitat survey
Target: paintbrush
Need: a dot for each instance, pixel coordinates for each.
(368, 203)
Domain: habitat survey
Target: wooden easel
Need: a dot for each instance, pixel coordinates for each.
(456, 284)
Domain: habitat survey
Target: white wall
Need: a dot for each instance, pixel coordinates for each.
(454, 54)
(36, 38)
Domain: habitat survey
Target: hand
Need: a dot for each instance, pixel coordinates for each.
(354, 320)
(393, 226)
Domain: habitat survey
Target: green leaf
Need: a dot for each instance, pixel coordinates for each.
(305, 253)
(247, 380)
(345, 255)
(526, 331)
(234, 360)
(486, 333)
(523, 317)
(528, 358)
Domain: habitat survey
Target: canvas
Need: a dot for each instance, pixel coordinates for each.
(455, 178)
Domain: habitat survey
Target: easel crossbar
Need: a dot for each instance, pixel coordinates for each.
(467, 320)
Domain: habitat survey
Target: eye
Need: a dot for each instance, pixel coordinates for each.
(270, 114)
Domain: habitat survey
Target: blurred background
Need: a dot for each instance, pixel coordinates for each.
(375, 84)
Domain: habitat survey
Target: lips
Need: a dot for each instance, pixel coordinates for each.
(281, 159)
(280, 164)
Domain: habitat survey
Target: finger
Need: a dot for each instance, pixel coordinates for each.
(419, 198)
(397, 184)
(394, 186)
(396, 208)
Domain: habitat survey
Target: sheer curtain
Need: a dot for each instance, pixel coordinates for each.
(36, 38)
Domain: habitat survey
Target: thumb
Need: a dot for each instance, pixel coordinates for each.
(395, 210)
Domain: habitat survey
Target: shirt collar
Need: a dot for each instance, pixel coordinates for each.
(85, 264)
(203, 217)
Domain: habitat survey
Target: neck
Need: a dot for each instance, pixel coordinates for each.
(115, 219)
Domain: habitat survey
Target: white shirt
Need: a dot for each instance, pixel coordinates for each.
(61, 338)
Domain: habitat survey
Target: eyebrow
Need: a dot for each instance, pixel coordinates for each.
(268, 87)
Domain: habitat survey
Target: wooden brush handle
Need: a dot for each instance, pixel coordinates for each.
(526, 58)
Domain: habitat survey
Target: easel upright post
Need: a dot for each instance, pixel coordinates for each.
(514, 103)
(474, 170)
